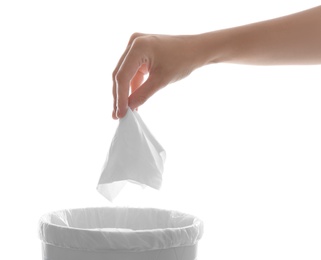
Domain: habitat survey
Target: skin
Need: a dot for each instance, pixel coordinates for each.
(290, 40)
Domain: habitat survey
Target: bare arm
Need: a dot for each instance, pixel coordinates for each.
(292, 39)
(288, 40)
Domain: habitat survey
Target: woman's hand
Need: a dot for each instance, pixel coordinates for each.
(163, 59)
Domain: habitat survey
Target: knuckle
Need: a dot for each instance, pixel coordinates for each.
(138, 41)
(140, 45)
(114, 74)
(145, 43)
(134, 36)
(120, 78)
(142, 41)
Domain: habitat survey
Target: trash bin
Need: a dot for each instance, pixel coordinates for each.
(119, 233)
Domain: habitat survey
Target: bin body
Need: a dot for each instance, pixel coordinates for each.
(119, 234)
(50, 252)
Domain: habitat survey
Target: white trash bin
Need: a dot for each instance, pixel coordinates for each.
(117, 233)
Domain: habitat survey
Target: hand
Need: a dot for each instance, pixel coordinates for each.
(288, 40)
(163, 59)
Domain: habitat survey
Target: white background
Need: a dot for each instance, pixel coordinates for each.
(243, 142)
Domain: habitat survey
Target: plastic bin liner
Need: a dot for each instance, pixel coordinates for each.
(134, 156)
(119, 229)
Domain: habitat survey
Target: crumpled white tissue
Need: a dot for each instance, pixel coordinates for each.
(134, 156)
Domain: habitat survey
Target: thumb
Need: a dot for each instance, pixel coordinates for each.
(143, 93)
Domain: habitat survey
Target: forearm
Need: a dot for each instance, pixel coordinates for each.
(292, 39)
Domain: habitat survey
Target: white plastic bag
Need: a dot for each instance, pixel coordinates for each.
(119, 234)
(134, 156)
(120, 228)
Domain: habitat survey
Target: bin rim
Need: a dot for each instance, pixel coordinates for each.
(106, 239)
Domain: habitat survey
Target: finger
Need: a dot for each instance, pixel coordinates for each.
(132, 38)
(130, 42)
(126, 73)
(114, 114)
(143, 93)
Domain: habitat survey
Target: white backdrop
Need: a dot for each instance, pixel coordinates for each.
(243, 142)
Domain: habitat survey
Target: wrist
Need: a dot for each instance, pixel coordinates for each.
(207, 48)
(213, 47)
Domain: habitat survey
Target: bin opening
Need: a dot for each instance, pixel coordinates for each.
(119, 228)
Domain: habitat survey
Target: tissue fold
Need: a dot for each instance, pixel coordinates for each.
(134, 156)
